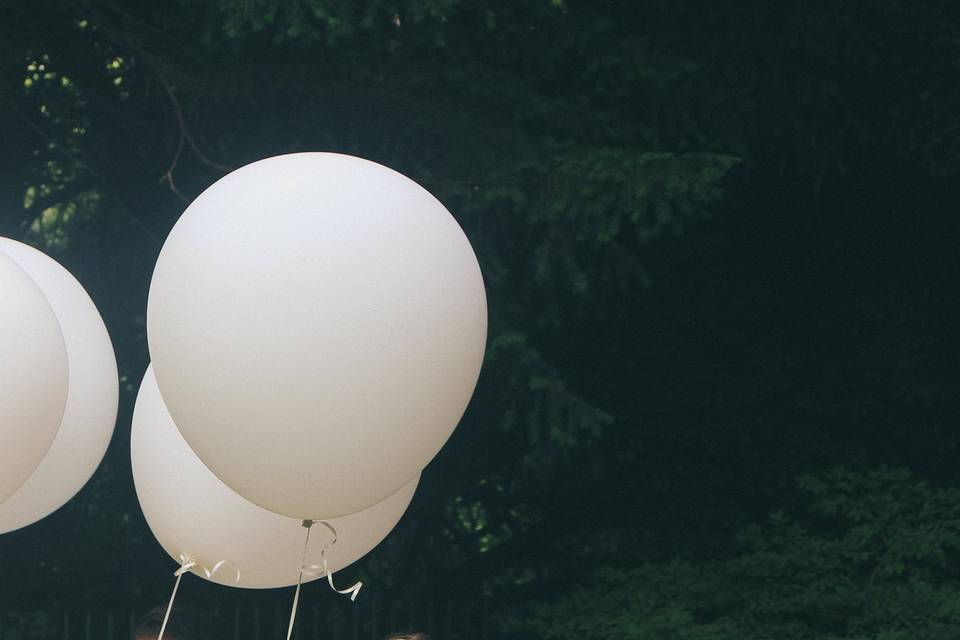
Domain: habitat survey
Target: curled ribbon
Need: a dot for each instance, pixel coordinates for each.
(210, 573)
(317, 570)
(186, 564)
(314, 570)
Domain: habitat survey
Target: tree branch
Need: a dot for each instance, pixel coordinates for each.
(184, 135)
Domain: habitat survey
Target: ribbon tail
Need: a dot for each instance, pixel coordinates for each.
(296, 594)
(353, 591)
(186, 563)
(173, 596)
(293, 611)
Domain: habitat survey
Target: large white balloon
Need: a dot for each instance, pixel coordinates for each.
(33, 376)
(91, 407)
(317, 324)
(193, 513)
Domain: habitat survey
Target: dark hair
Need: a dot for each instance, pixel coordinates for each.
(412, 635)
(184, 624)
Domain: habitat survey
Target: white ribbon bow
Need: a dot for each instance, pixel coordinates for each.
(186, 564)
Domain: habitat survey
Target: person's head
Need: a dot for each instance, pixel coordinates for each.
(413, 635)
(184, 624)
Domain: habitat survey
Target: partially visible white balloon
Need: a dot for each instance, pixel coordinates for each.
(91, 406)
(193, 514)
(317, 324)
(33, 376)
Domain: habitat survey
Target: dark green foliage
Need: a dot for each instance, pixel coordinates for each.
(720, 247)
(863, 555)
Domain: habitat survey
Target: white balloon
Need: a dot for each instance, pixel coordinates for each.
(317, 324)
(91, 406)
(192, 513)
(33, 376)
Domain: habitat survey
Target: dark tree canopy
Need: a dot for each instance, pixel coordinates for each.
(719, 241)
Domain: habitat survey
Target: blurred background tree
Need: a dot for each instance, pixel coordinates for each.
(720, 246)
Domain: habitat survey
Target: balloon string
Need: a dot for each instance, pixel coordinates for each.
(186, 565)
(296, 595)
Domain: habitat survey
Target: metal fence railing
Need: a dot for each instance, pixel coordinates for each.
(441, 619)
